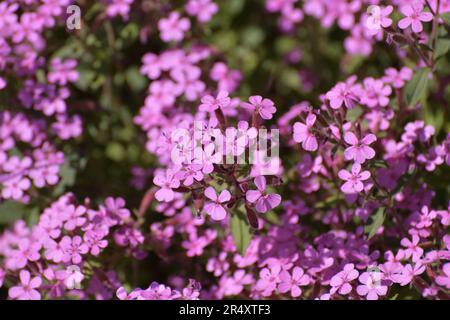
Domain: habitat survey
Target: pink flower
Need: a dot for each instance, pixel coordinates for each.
(74, 217)
(408, 273)
(397, 78)
(203, 9)
(371, 285)
(378, 18)
(15, 187)
(444, 278)
(376, 93)
(412, 248)
(341, 281)
(210, 104)
(26, 291)
(264, 202)
(265, 107)
(63, 71)
(27, 251)
(2, 277)
(354, 179)
(167, 182)
(414, 16)
(342, 93)
(72, 249)
(173, 28)
(215, 208)
(359, 150)
(304, 134)
(269, 278)
(293, 282)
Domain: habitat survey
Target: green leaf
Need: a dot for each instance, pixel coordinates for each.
(353, 114)
(353, 63)
(446, 17)
(394, 297)
(416, 89)
(33, 217)
(442, 47)
(11, 211)
(377, 222)
(68, 175)
(135, 80)
(241, 231)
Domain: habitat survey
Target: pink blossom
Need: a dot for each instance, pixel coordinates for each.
(444, 278)
(292, 282)
(215, 208)
(304, 134)
(72, 249)
(264, 202)
(398, 78)
(414, 16)
(269, 278)
(27, 288)
(379, 18)
(167, 182)
(359, 150)
(341, 281)
(203, 9)
(342, 93)
(173, 28)
(353, 179)
(376, 93)
(210, 104)
(371, 285)
(265, 107)
(412, 248)
(63, 71)
(408, 273)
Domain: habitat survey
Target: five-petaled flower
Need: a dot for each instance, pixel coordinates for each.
(303, 133)
(173, 28)
(215, 207)
(371, 285)
(167, 182)
(353, 179)
(27, 288)
(264, 202)
(412, 248)
(378, 18)
(341, 281)
(265, 107)
(414, 16)
(292, 282)
(210, 104)
(359, 150)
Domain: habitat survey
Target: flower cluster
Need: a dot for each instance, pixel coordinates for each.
(364, 20)
(29, 155)
(241, 186)
(61, 256)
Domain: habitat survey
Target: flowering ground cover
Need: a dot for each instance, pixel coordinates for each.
(222, 149)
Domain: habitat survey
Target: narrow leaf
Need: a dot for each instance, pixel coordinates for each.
(377, 221)
(416, 89)
(241, 231)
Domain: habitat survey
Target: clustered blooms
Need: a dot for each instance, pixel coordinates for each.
(349, 215)
(364, 20)
(63, 248)
(29, 156)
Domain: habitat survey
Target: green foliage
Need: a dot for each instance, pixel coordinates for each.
(241, 231)
(10, 211)
(377, 220)
(416, 89)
